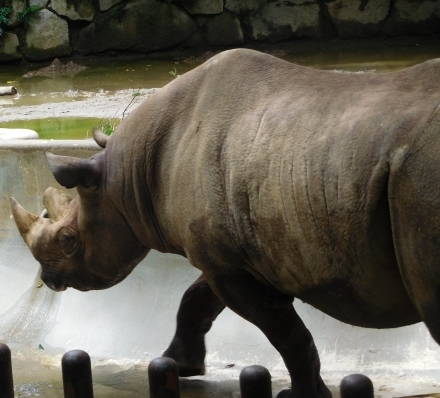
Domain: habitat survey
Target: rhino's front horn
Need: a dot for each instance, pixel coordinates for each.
(23, 218)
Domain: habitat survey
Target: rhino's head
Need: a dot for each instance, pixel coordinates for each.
(81, 242)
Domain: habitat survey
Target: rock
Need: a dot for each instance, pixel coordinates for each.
(223, 30)
(202, 6)
(413, 18)
(358, 18)
(106, 4)
(39, 3)
(195, 40)
(201, 19)
(18, 134)
(56, 68)
(283, 21)
(141, 25)
(9, 47)
(47, 37)
(17, 6)
(75, 10)
(240, 7)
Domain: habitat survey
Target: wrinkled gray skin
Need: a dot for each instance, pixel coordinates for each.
(275, 180)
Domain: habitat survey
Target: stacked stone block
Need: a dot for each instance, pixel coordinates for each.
(65, 27)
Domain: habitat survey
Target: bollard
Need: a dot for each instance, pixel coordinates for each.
(77, 374)
(163, 377)
(255, 382)
(356, 386)
(6, 382)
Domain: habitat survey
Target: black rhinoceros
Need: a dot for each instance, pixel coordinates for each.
(276, 181)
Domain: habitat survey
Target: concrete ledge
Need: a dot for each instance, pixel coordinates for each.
(134, 321)
(18, 134)
(48, 145)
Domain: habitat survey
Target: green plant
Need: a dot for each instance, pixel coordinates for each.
(4, 20)
(173, 72)
(28, 14)
(108, 127)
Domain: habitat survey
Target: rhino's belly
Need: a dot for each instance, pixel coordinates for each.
(364, 306)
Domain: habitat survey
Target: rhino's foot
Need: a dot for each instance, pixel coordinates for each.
(324, 392)
(190, 362)
(187, 370)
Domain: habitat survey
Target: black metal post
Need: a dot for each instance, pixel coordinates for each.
(356, 386)
(163, 378)
(255, 382)
(77, 374)
(6, 381)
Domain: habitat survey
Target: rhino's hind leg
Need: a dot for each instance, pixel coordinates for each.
(198, 309)
(273, 312)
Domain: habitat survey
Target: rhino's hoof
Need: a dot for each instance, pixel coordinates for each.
(283, 394)
(187, 371)
(290, 394)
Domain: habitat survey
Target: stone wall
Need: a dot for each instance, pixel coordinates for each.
(81, 27)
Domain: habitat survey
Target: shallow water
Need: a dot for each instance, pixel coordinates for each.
(384, 56)
(98, 78)
(110, 75)
(58, 128)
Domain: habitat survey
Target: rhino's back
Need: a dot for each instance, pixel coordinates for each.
(283, 170)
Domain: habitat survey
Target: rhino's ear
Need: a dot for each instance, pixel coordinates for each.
(71, 172)
(100, 138)
(22, 218)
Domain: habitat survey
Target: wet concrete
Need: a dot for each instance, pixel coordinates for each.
(39, 375)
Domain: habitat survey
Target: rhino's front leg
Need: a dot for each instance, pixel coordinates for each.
(198, 309)
(273, 312)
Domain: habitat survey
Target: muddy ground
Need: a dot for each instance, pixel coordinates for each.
(79, 104)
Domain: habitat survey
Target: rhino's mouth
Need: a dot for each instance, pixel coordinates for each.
(60, 285)
(56, 287)
(57, 284)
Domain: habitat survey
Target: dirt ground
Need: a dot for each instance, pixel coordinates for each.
(79, 104)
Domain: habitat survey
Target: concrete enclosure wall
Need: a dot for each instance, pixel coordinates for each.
(65, 27)
(135, 320)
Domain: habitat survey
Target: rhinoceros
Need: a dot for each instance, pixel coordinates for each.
(277, 181)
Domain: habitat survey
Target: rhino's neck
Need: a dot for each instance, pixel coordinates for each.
(131, 170)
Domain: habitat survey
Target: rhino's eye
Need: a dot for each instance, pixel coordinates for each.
(68, 242)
